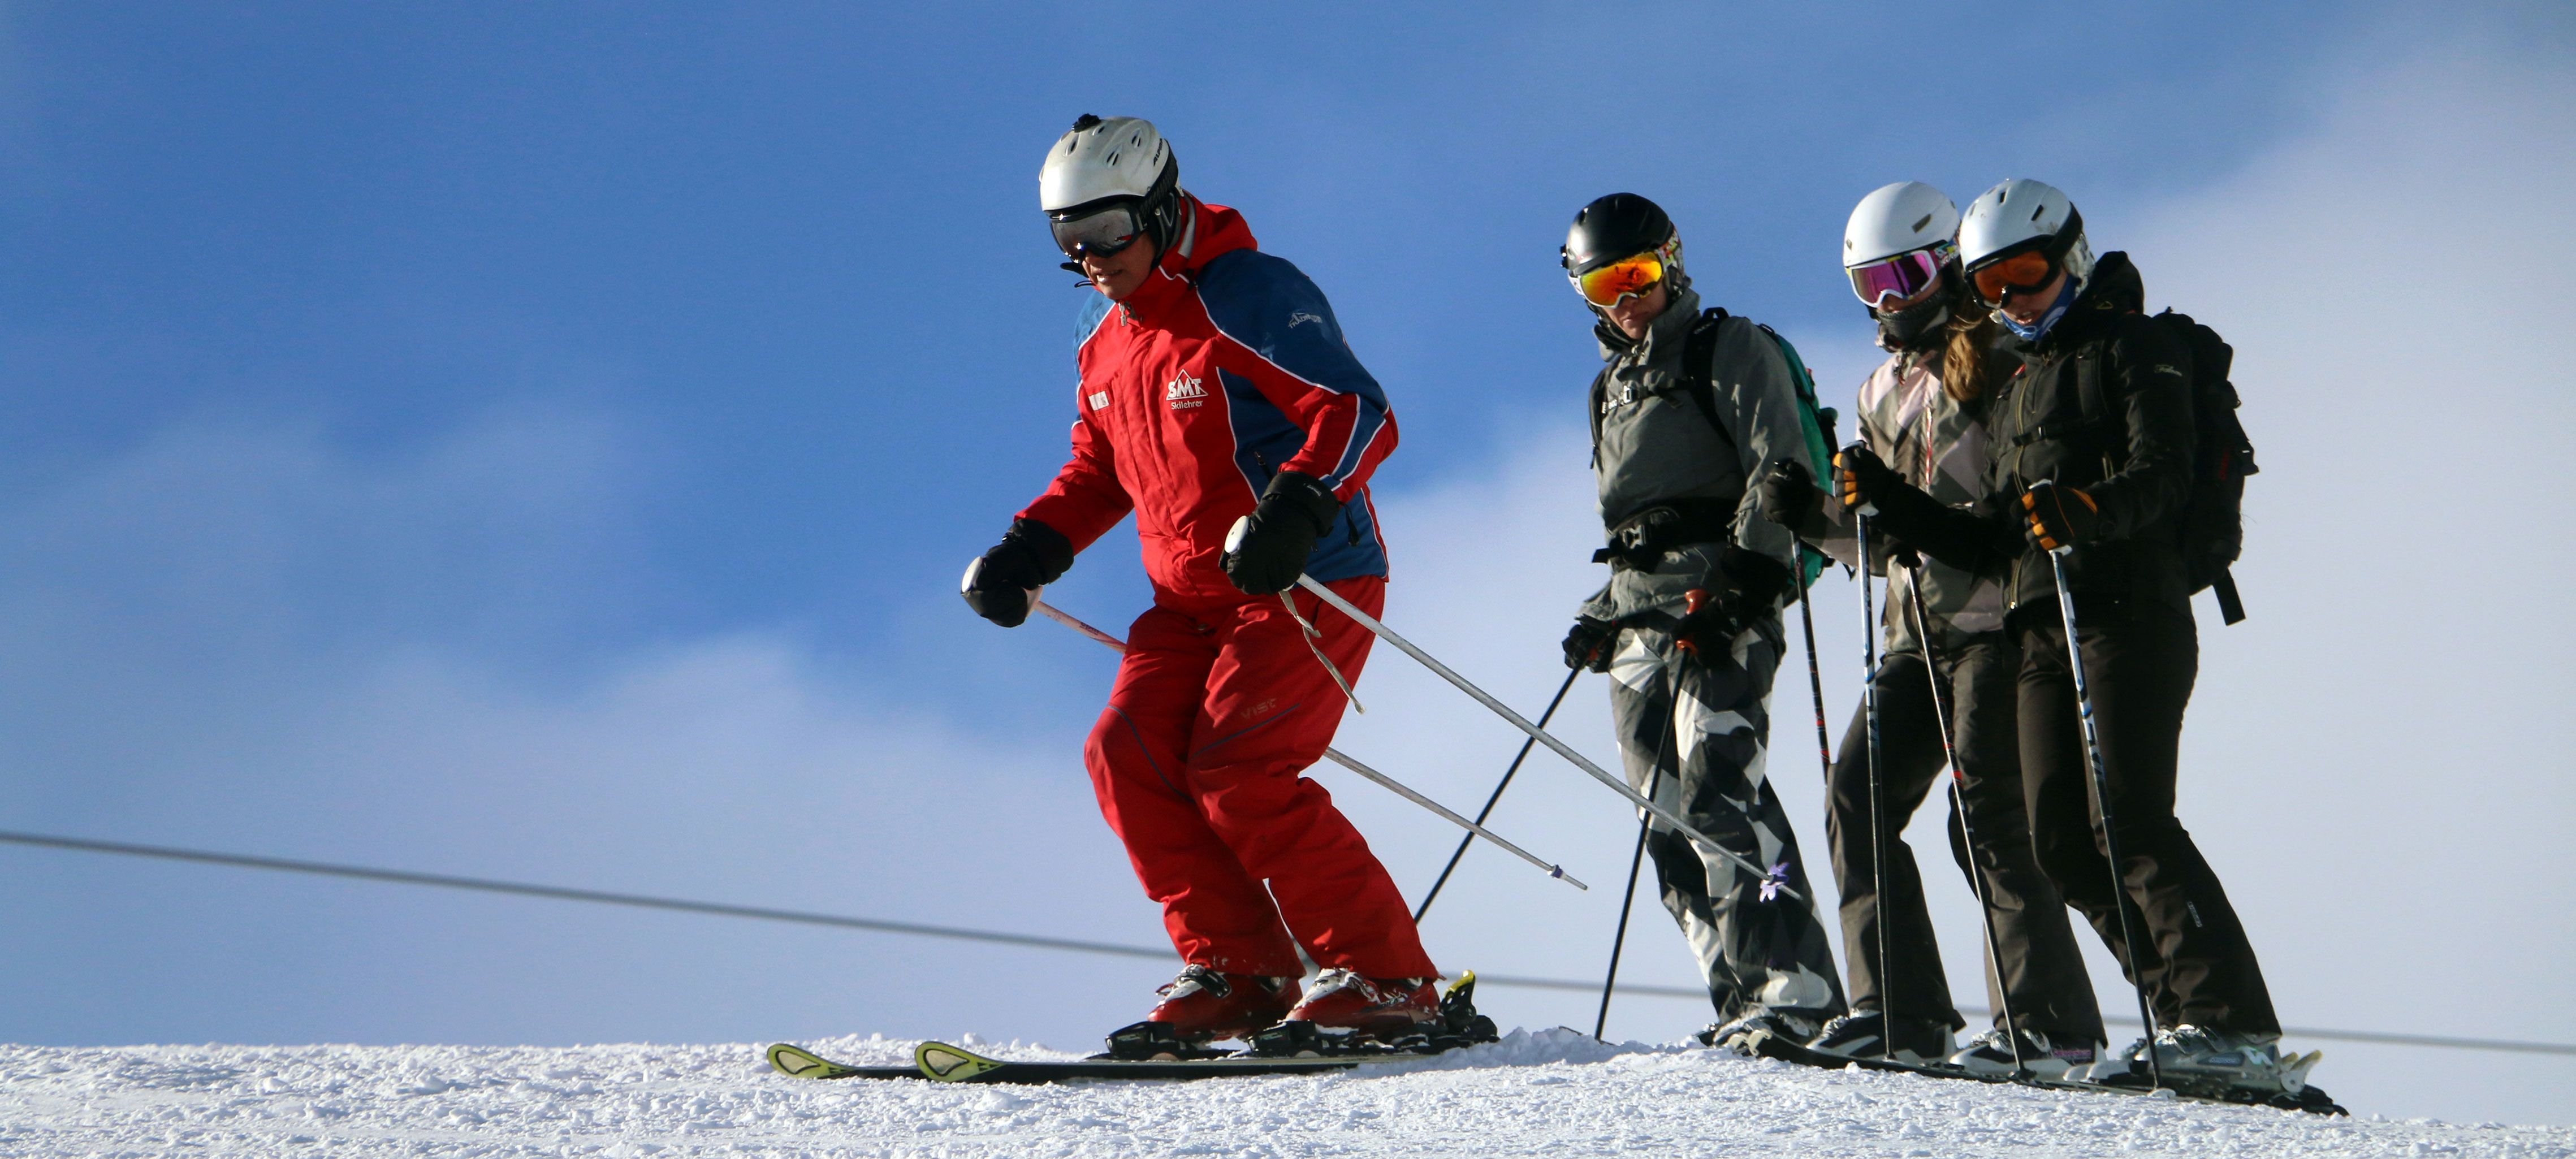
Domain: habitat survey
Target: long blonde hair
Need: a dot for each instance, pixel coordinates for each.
(1968, 362)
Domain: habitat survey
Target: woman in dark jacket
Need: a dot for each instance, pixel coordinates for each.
(2091, 455)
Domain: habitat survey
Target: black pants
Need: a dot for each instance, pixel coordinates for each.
(2139, 662)
(2041, 970)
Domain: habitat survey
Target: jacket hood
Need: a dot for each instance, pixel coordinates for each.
(1208, 232)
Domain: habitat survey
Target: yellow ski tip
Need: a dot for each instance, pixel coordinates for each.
(941, 1062)
(798, 1062)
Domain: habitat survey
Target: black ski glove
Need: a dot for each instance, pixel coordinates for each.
(1267, 549)
(1745, 587)
(1031, 555)
(2060, 517)
(1589, 644)
(1788, 496)
(1864, 478)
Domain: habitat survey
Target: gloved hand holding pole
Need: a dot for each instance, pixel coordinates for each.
(1115, 644)
(1660, 813)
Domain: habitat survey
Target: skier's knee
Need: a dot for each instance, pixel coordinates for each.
(2069, 859)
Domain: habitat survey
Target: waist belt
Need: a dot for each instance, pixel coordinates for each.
(1640, 541)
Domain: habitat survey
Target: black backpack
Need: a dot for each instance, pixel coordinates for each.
(2213, 520)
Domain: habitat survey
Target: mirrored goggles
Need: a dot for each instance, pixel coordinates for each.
(1102, 232)
(2021, 273)
(1902, 277)
(1604, 287)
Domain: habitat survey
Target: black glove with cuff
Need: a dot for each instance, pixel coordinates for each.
(2060, 517)
(1267, 550)
(1031, 555)
(1787, 495)
(1864, 477)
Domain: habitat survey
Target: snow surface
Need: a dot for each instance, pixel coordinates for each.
(1553, 1093)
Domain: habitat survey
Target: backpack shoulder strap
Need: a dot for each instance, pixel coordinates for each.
(1698, 358)
(1595, 398)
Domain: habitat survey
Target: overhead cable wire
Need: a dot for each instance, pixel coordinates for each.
(996, 937)
(560, 893)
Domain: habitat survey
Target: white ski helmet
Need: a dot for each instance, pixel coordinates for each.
(2018, 217)
(1901, 241)
(1898, 218)
(1108, 181)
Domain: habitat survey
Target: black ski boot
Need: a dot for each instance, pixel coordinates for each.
(1991, 1053)
(1746, 1030)
(1860, 1034)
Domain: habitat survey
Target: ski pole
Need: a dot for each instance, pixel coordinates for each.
(1560, 748)
(1490, 801)
(1815, 676)
(1337, 757)
(2102, 811)
(1959, 807)
(1619, 940)
(1877, 806)
(1636, 861)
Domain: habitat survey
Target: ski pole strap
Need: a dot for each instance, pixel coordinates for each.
(1310, 633)
(1560, 748)
(2231, 607)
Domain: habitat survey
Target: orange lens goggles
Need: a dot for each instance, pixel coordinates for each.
(2018, 274)
(1605, 286)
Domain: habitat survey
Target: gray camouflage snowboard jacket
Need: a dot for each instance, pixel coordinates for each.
(1656, 445)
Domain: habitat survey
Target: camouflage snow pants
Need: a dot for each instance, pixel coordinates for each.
(1692, 731)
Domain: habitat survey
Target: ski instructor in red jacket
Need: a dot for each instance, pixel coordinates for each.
(1216, 385)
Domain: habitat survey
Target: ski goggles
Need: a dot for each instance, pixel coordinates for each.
(1102, 232)
(2021, 273)
(1605, 287)
(1902, 277)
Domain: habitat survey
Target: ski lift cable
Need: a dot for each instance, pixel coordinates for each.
(996, 937)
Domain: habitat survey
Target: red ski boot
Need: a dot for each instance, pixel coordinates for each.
(1203, 1005)
(1382, 1008)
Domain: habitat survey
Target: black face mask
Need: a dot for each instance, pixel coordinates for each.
(1908, 328)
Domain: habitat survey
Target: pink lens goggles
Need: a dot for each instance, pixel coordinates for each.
(1902, 276)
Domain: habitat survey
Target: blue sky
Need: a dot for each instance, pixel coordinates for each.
(541, 441)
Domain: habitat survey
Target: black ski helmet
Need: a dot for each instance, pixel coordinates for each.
(1614, 227)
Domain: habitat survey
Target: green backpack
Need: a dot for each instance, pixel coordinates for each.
(1817, 420)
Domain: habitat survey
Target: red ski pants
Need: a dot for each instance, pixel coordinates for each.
(1196, 764)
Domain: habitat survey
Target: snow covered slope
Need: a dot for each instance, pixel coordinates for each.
(1553, 1093)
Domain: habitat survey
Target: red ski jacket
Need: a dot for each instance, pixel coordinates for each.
(1225, 368)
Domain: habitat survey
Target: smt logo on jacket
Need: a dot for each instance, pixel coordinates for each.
(1185, 392)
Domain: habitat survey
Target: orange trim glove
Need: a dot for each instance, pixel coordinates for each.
(2061, 517)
